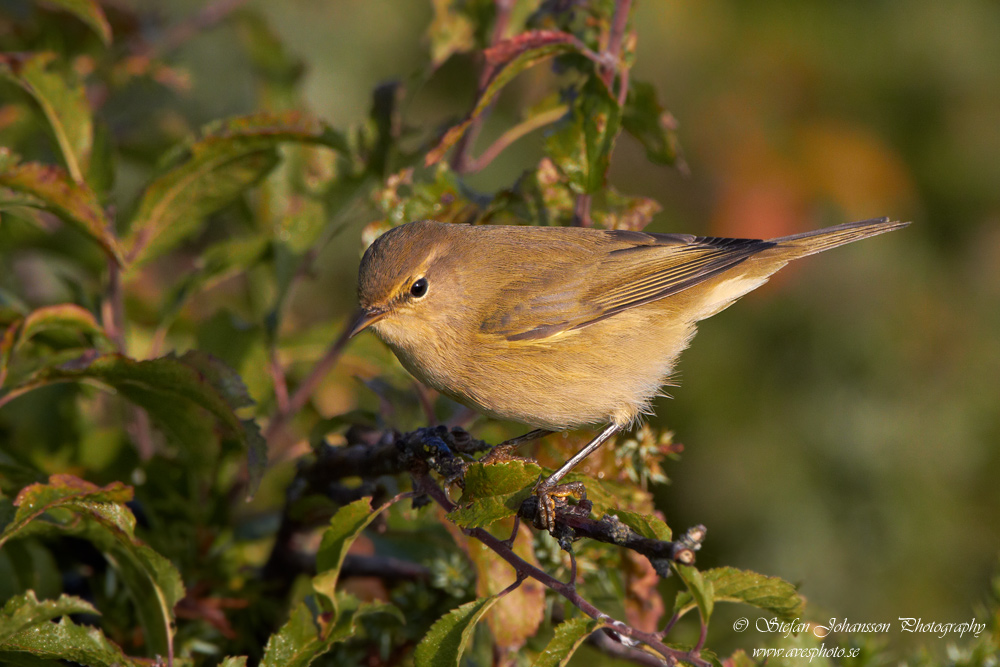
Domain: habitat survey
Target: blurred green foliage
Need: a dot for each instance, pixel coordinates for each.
(178, 248)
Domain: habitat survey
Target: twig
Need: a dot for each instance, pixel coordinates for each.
(568, 590)
(461, 161)
(276, 428)
(618, 23)
(277, 374)
(513, 134)
(581, 211)
(113, 309)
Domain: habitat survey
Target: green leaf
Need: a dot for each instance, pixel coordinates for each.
(24, 611)
(345, 527)
(170, 389)
(733, 585)
(297, 643)
(506, 60)
(568, 637)
(90, 13)
(230, 157)
(646, 119)
(64, 640)
(447, 639)
(493, 492)
(53, 190)
(99, 514)
(240, 661)
(700, 590)
(582, 147)
(64, 103)
(305, 637)
(64, 316)
(621, 212)
(644, 524)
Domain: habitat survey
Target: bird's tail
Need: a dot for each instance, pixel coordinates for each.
(810, 243)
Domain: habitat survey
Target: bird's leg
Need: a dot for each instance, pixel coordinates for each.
(505, 450)
(549, 490)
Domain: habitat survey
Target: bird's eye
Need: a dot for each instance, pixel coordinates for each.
(418, 288)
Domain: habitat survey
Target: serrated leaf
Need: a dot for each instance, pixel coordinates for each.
(237, 661)
(645, 118)
(345, 527)
(75, 203)
(297, 643)
(90, 13)
(63, 102)
(447, 639)
(230, 157)
(64, 316)
(644, 524)
(730, 584)
(169, 388)
(65, 640)
(582, 147)
(506, 60)
(306, 637)
(493, 492)
(699, 588)
(99, 515)
(568, 637)
(24, 611)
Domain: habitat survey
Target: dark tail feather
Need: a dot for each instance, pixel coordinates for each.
(810, 243)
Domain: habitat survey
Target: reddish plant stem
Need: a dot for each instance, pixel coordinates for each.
(276, 428)
(277, 374)
(618, 23)
(512, 135)
(461, 159)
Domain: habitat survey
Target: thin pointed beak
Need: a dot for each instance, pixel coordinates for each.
(366, 317)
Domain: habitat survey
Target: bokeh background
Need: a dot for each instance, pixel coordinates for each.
(841, 425)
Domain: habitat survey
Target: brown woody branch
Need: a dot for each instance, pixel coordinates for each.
(370, 454)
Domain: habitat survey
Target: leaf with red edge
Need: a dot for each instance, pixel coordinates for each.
(63, 316)
(177, 392)
(506, 60)
(98, 514)
(56, 192)
(63, 101)
(228, 158)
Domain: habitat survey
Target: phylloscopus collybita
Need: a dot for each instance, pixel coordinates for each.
(560, 327)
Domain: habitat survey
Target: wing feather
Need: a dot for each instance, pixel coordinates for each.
(651, 267)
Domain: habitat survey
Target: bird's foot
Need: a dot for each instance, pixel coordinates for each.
(552, 497)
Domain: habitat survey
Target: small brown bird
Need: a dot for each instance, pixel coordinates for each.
(560, 327)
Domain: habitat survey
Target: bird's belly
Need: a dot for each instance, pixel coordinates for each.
(603, 373)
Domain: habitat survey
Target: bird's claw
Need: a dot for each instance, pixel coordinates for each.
(552, 497)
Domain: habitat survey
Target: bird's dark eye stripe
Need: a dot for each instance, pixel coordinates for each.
(419, 287)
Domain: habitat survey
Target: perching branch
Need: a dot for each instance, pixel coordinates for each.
(371, 454)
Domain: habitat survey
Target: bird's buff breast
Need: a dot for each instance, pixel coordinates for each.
(603, 373)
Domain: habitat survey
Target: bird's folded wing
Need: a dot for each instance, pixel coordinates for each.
(653, 266)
